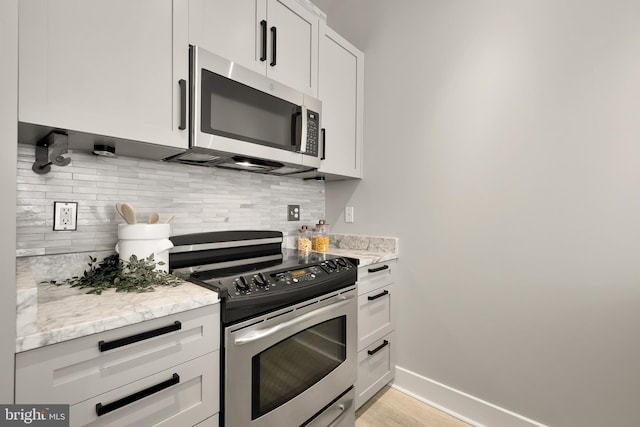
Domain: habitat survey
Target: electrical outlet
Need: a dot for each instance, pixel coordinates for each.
(65, 216)
(348, 214)
(293, 212)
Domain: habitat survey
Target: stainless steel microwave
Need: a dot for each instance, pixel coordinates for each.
(241, 119)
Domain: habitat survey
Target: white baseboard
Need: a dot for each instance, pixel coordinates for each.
(456, 403)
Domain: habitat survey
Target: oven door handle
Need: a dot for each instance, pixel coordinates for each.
(263, 333)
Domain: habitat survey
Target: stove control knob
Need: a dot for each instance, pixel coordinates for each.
(341, 262)
(241, 284)
(331, 264)
(260, 280)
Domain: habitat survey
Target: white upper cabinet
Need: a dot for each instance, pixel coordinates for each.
(294, 61)
(341, 87)
(228, 28)
(278, 38)
(105, 67)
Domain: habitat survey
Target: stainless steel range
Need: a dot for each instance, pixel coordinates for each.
(288, 327)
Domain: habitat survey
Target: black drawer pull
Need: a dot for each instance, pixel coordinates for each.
(375, 270)
(378, 348)
(104, 346)
(109, 407)
(380, 295)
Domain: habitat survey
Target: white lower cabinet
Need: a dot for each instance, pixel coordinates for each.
(375, 313)
(163, 371)
(376, 338)
(180, 396)
(375, 368)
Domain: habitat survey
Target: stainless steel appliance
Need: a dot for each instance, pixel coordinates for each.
(243, 120)
(289, 333)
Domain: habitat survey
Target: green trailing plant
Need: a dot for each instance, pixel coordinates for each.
(135, 275)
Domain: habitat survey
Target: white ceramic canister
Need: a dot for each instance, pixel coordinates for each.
(143, 240)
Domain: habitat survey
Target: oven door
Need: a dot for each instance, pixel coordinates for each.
(287, 366)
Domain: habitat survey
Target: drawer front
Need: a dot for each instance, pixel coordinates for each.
(187, 395)
(375, 315)
(75, 370)
(376, 276)
(210, 422)
(375, 368)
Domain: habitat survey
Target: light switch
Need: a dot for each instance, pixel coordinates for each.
(348, 214)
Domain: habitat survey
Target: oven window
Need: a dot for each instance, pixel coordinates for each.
(234, 110)
(291, 366)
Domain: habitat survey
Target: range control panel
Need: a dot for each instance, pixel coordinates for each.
(287, 279)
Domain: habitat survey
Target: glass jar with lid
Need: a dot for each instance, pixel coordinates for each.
(304, 240)
(321, 237)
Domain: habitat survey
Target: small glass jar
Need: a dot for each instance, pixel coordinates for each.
(304, 240)
(321, 237)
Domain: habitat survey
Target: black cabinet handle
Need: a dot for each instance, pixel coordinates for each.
(378, 348)
(110, 345)
(117, 404)
(375, 270)
(263, 26)
(380, 295)
(274, 31)
(324, 143)
(183, 104)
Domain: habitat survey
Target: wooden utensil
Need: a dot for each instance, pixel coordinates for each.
(119, 210)
(154, 218)
(169, 219)
(129, 213)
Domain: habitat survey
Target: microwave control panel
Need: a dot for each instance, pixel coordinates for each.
(313, 122)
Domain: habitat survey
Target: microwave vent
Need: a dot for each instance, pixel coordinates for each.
(199, 157)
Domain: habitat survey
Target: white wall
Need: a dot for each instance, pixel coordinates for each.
(8, 135)
(502, 146)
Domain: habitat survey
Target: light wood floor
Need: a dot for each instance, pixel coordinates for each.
(389, 408)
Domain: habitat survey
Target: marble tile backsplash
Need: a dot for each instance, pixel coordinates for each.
(202, 199)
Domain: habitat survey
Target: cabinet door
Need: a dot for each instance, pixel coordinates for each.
(341, 85)
(231, 29)
(376, 367)
(106, 67)
(375, 316)
(278, 38)
(296, 53)
(178, 396)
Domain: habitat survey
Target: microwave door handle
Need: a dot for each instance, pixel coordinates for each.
(259, 334)
(324, 144)
(303, 129)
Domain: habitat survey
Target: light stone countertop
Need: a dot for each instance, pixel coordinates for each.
(365, 257)
(367, 249)
(48, 314)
